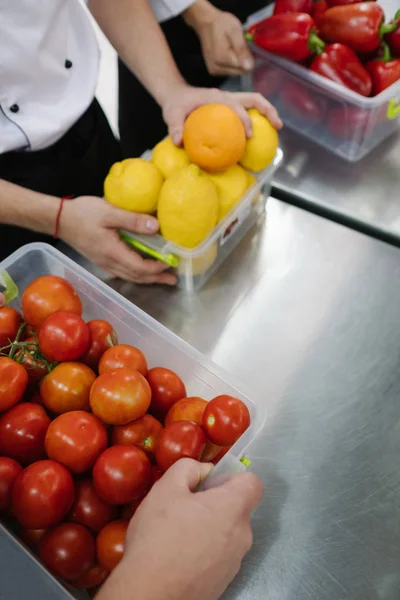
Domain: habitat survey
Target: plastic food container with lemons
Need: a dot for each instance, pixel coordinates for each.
(206, 195)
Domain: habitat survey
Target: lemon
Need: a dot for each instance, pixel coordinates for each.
(134, 184)
(262, 146)
(231, 185)
(199, 264)
(168, 158)
(188, 207)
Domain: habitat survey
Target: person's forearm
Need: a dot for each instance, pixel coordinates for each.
(24, 208)
(132, 29)
(200, 13)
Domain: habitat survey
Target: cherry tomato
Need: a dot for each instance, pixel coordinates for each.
(89, 509)
(143, 432)
(10, 321)
(119, 397)
(123, 355)
(179, 440)
(110, 544)
(94, 577)
(76, 439)
(9, 470)
(187, 409)
(22, 432)
(42, 495)
(221, 455)
(122, 474)
(156, 474)
(35, 367)
(47, 295)
(63, 336)
(210, 452)
(13, 382)
(67, 387)
(225, 419)
(68, 550)
(101, 337)
(129, 510)
(167, 388)
(32, 537)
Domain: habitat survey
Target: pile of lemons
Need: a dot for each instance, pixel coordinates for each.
(192, 188)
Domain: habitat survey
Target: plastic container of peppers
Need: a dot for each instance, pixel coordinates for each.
(161, 347)
(335, 117)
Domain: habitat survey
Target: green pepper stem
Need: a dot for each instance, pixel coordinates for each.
(315, 44)
(249, 37)
(397, 16)
(387, 28)
(386, 56)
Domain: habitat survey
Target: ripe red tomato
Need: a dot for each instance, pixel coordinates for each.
(110, 544)
(63, 336)
(187, 409)
(47, 295)
(101, 337)
(22, 432)
(67, 387)
(35, 367)
(225, 419)
(119, 397)
(123, 355)
(89, 509)
(9, 470)
(210, 452)
(122, 474)
(167, 388)
(76, 439)
(156, 474)
(143, 433)
(68, 550)
(179, 440)
(13, 382)
(32, 537)
(42, 495)
(94, 577)
(221, 455)
(10, 321)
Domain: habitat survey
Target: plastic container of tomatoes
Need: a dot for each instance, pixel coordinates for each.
(331, 115)
(161, 347)
(195, 266)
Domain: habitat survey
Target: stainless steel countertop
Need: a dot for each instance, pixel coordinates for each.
(306, 316)
(364, 195)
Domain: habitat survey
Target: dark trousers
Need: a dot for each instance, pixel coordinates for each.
(140, 119)
(76, 165)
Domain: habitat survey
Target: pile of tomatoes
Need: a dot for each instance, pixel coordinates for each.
(86, 429)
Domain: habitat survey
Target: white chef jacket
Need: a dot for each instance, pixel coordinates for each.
(49, 63)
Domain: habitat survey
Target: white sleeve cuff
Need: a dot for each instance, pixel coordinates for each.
(167, 9)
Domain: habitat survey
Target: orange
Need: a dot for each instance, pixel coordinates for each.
(214, 137)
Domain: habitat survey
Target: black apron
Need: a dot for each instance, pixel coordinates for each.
(140, 119)
(76, 165)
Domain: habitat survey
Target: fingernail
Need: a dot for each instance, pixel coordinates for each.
(151, 224)
(247, 64)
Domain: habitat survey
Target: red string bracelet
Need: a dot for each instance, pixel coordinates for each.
(59, 215)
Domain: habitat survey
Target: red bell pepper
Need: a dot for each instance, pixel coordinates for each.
(393, 38)
(292, 36)
(267, 80)
(290, 6)
(340, 64)
(384, 71)
(345, 2)
(318, 10)
(359, 26)
(345, 121)
(301, 103)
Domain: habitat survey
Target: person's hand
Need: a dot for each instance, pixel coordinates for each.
(182, 544)
(90, 225)
(222, 40)
(183, 101)
(2, 300)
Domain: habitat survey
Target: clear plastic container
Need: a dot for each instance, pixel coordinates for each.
(133, 326)
(195, 266)
(335, 117)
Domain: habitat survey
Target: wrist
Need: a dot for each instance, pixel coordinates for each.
(200, 14)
